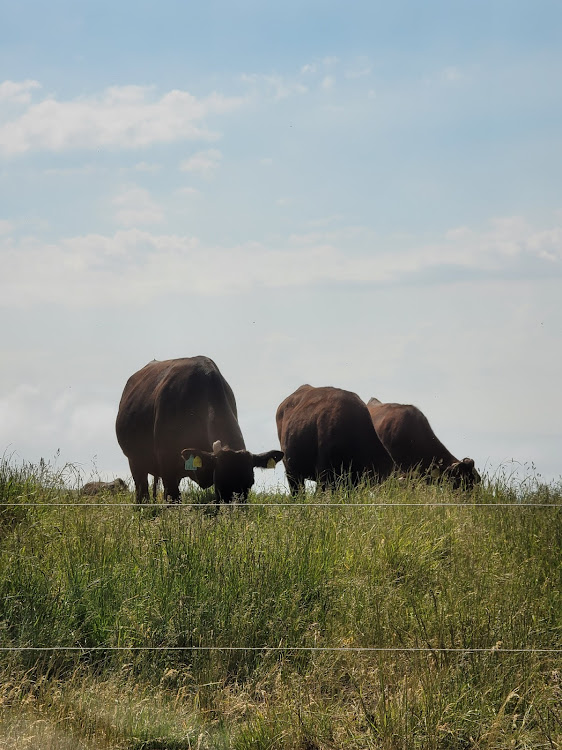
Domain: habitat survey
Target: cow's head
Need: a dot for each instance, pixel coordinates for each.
(232, 471)
(118, 485)
(462, 474)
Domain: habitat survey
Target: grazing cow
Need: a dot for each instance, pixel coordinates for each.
(95, 488)
(326, 433)
(407, 435)
(178, 419)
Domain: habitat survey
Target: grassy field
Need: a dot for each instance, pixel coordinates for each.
(227, 601)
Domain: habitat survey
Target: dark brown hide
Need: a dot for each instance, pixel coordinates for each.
(410, 440)
(95, 488)
(180, 404)
(326, 433)
(232, 471)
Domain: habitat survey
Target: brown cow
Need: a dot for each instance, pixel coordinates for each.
(407, 435)
(326, 433)
(178, 419)
(95, 488)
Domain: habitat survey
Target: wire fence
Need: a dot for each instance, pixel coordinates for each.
(280, 505)
(354, 649)
(495, 649)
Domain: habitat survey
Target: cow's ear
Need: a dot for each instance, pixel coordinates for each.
(197, 459)
(267, 460)
(469, 462)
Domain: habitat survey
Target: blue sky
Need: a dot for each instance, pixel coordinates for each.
(366, 195)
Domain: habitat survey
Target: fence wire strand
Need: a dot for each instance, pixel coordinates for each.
(163, 506)
(350, 649)
(354, 649)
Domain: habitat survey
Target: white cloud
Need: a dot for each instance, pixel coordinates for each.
(83, 271)
(316, 73)
(275, 86)
(187, 192)
(325, 62)
(6, 227)
(448, 76)
(18, 91)
(121, 116)
(135, 207)
(203, 163)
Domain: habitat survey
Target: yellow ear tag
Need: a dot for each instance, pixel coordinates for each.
(193, 462)
(272, 463)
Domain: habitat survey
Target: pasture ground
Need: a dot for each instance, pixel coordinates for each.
(329, 573)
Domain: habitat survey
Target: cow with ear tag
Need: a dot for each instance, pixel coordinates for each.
(230, 471)
(174, 418)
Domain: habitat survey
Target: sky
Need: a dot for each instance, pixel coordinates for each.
(364, 194)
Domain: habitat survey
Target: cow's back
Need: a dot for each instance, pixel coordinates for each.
(407, 435)
(324, 430)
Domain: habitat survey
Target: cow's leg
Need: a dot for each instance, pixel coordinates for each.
(323, 484)
(155, 488)
(321, 481)
(172, 488)
(140, 478)
(327, 480)
(296, 484)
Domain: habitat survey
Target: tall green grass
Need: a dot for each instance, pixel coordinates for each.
(270, 581)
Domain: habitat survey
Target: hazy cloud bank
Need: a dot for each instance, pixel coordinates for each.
(87, 270)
